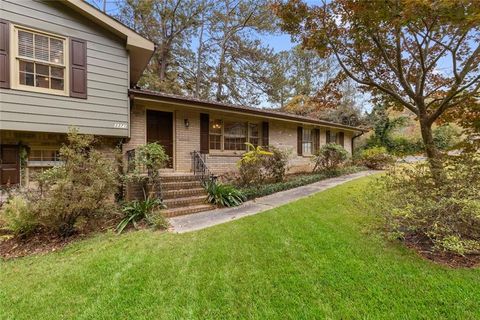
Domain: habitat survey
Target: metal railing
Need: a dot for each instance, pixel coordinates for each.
(200, 169)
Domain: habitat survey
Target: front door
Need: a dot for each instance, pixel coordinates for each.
(160, 129)
(9, 165)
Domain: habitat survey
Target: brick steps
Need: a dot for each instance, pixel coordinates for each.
(183, 194)
(169, 213)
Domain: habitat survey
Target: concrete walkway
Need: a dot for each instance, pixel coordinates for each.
(210, 218)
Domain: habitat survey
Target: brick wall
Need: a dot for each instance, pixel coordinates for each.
(283, 134)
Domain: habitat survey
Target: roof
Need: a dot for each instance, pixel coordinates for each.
(140, 48)
(201, 103)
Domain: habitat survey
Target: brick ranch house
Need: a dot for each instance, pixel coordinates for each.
(65, 64)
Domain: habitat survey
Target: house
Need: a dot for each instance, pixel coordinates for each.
(65, 64)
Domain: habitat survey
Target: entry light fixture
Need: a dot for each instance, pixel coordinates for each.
(186, 122)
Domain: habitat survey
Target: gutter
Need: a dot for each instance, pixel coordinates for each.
(355, 137)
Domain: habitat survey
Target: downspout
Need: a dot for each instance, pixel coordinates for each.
(354, 137)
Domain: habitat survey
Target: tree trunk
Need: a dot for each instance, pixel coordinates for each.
(220, 78)
(433, 156)
(199, 58)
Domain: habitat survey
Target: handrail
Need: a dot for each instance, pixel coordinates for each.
(200, 168)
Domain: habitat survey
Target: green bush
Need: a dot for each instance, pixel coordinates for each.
(276, 165)
(252, 192)
(376, 158)
(251, 166)
(329, 157)
(446, 137)
(140, 210)
(18, 217)
(446, 213)
(223, 194)
(81, 187)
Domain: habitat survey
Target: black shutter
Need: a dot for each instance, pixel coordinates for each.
(316, 141)
(265, 133)
(78, 68)
(328, 136)
(204, 132)
(4, 54)
(341, 138)
(299, 141)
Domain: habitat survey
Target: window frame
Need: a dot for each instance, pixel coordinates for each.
(16, 58)
(222, 134)
(306, 152)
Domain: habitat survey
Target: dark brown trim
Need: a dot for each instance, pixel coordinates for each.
(299, 141)
(204, 133)
(265, 134)
(193, 102)
(4, 54)
(341, 138)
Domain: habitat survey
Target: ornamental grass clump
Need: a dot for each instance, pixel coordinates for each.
(223, 195)
(416, 206)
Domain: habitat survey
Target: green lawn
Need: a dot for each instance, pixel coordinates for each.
(309, 259)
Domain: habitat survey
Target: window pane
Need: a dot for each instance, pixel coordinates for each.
(42, 69)
(307, 135)
(26, 79)
(215, 142)
(26, 66)
(235, 135)
(35, 155)
(42, 81)
(41, 47)
(57, 72)
(56, 51)
(25, 44)
(57, 84)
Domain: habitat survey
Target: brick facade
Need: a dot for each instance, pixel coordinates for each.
(283, 134)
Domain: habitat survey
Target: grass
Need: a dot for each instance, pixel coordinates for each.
(308, 259)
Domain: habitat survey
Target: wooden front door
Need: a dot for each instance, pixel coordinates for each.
(160, 129)
(9, 165)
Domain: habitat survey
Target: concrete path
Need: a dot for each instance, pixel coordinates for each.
(210, 218)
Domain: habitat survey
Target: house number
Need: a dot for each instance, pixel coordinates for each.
(120, 125)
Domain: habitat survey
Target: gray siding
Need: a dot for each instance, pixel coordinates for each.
(107, 103)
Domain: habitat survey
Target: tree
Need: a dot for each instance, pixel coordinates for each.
(170, 25)
(420, 55)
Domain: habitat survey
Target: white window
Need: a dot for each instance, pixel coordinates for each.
(40, 61)
(307, 141)
(232, 135)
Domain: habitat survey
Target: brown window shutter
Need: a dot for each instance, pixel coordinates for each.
(204, 132)
(299, 141)
(328, 136)
(341, 138)
(78, 68)
(4, 54)
(265, 134)
(316, 140)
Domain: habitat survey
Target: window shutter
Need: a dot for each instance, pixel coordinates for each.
(265, 133)
(316, 139)
(204, 132)
(328, 136)
(78, 68)
(341, 138)
(299, 141)
(4, 54)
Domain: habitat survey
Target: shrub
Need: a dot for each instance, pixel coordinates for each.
(150, 157)
(329, 157)
(376, 158)
(252, 165)
(276, 165)
(81, 187)
(446, 137)
(139, 210)
(446, 213)
(223, 194)
(18, 217)
(296, 181)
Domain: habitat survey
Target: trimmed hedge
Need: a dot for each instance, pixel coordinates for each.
(253, 192)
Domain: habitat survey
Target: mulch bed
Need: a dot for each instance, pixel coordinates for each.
(424, 247)
(41, 242)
